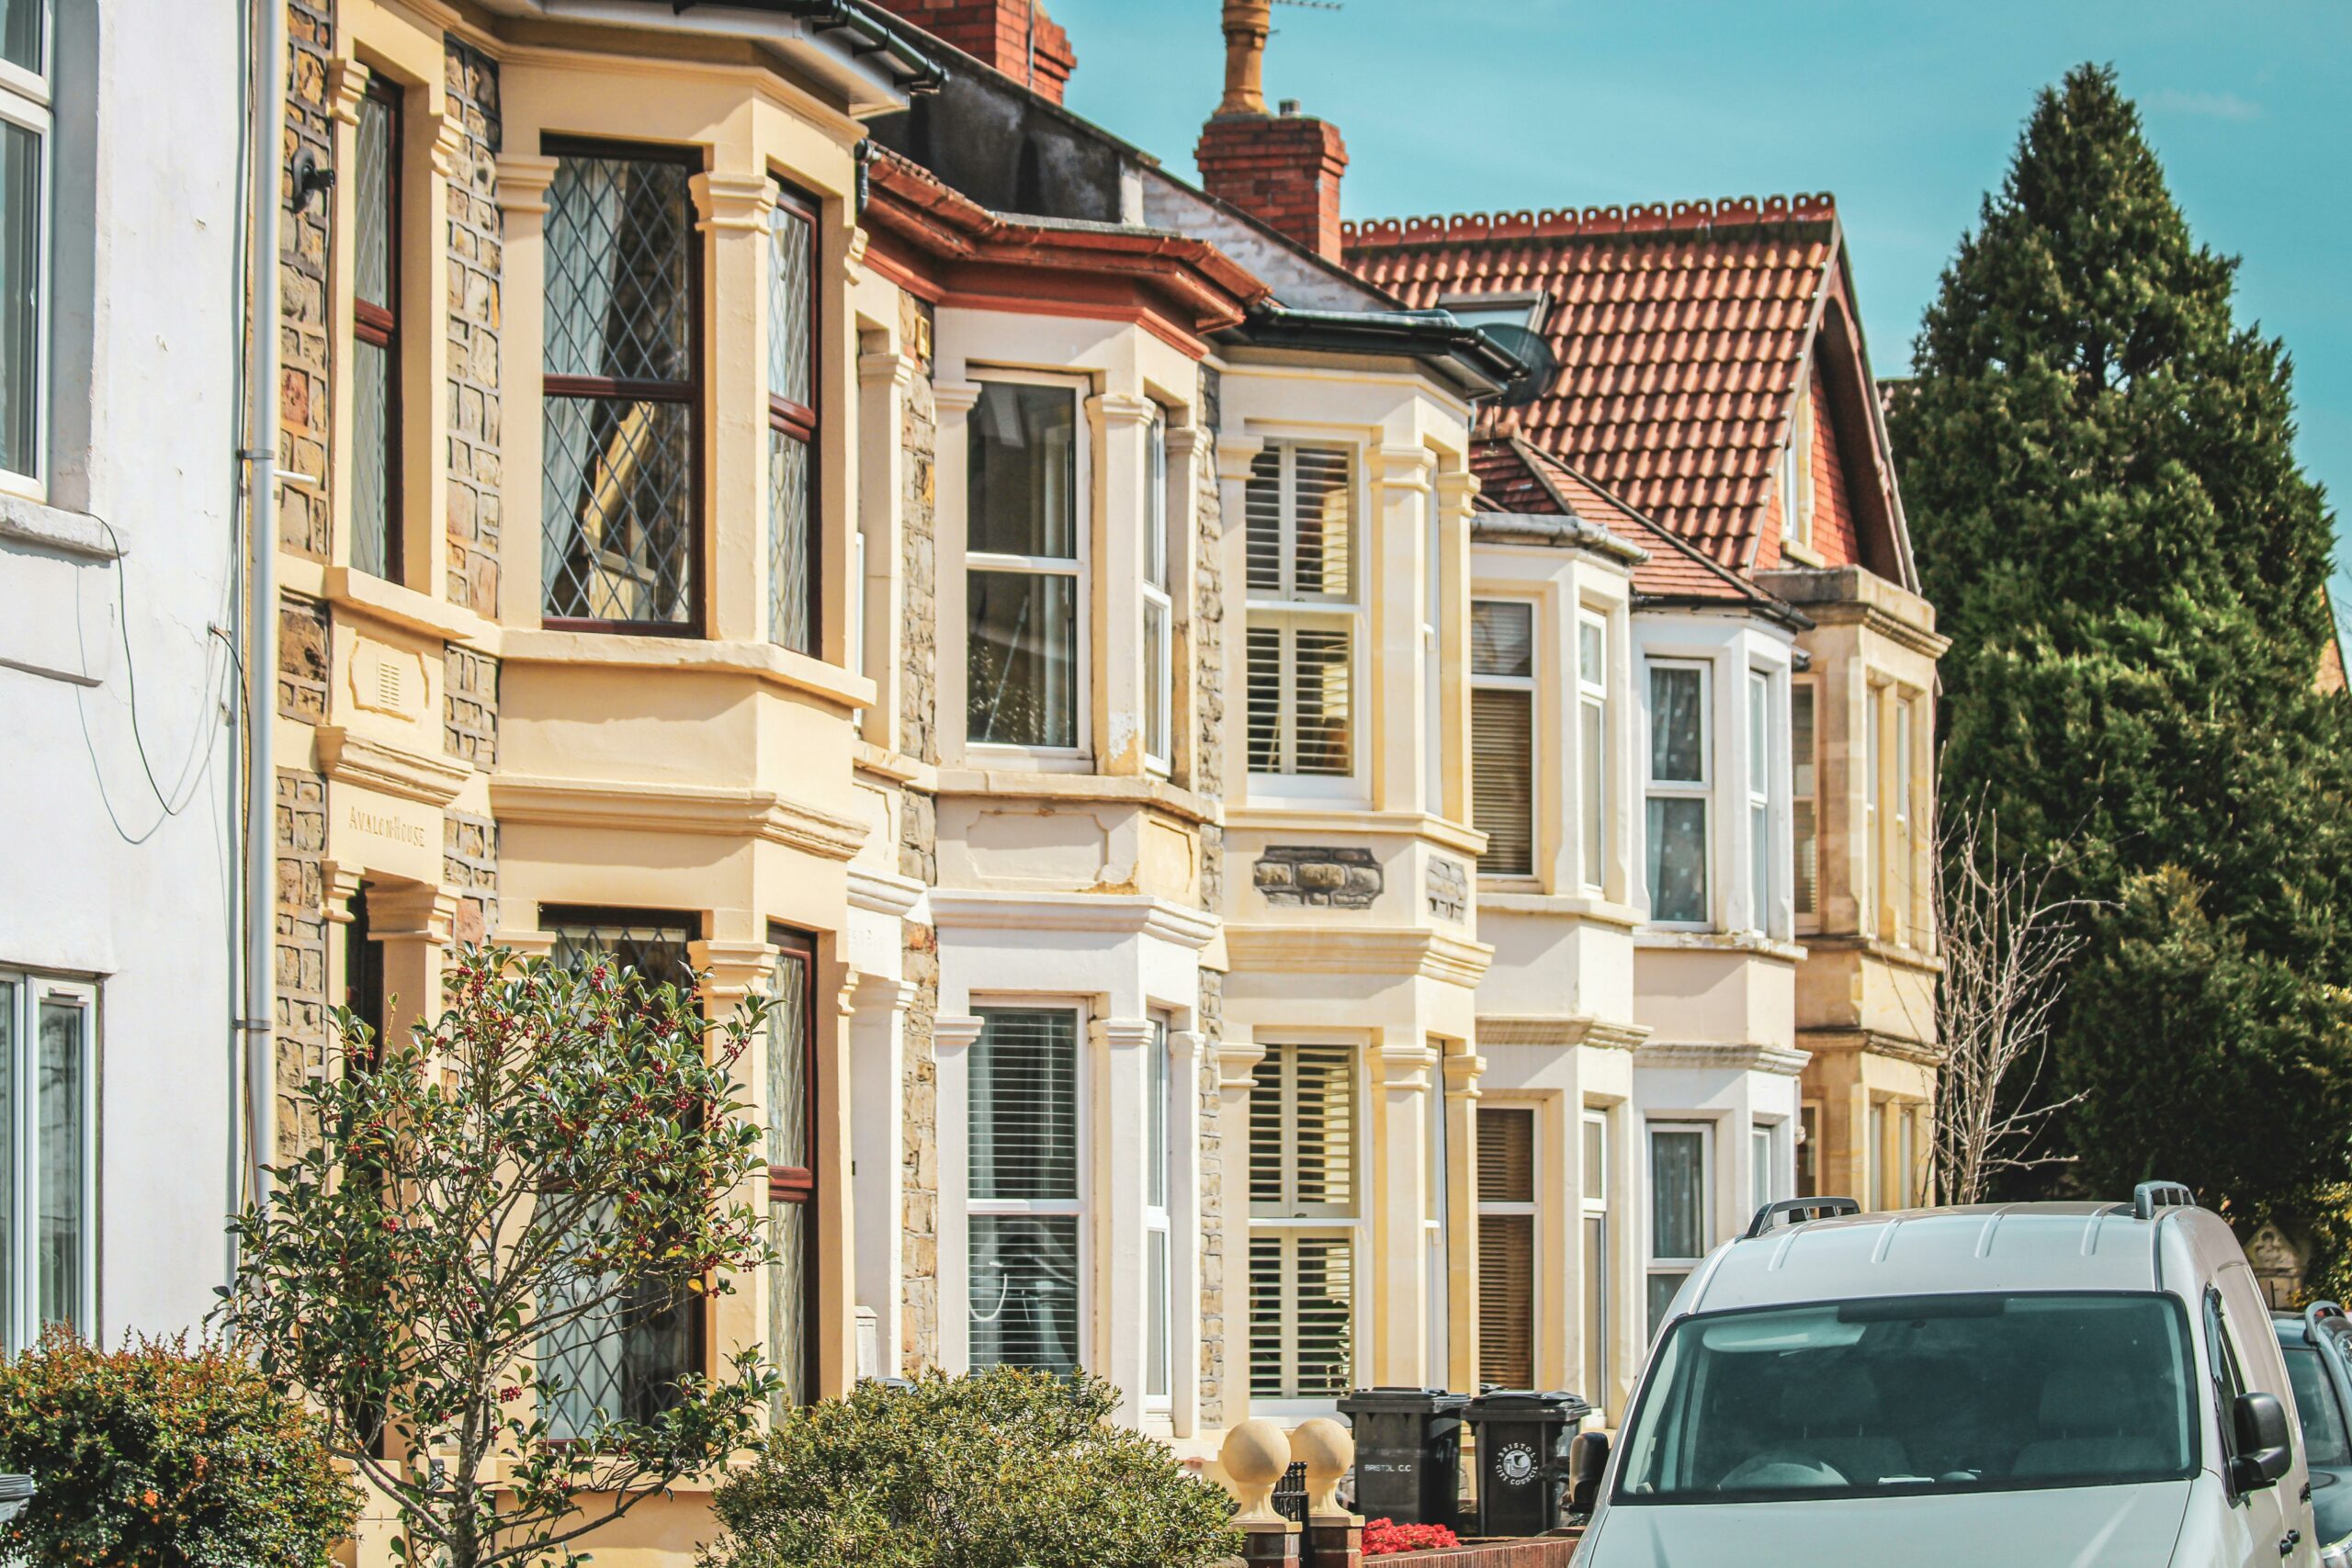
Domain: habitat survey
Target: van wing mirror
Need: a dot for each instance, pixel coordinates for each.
(1588, 1462)
(2260, 1420)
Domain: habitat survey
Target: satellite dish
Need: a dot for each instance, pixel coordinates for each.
(1530, 349)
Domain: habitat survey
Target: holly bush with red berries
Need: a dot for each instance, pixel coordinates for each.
(537, 1183)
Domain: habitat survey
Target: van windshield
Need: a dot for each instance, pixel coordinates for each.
(1915, 1394)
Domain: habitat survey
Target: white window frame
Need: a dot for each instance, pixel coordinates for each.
(27, 98)
(1593, 700)
(1159, 1229)
(1903, 853)
(1082, 1093)
(1159, 560)
(1873, 898)
(1805, 688)
(20, 1324)
(1600, 1356)
(1763, 1162)
(1759, 781)
(1701, 790)
(1079, 568)
(1287, 613)
(1796, 470)
(1433, 583)
(1657, 1266)
(1336, 1220)
(1524, 684)
(1531, 1209)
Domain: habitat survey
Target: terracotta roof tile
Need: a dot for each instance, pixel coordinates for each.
(1680, 329)
(1515, 476)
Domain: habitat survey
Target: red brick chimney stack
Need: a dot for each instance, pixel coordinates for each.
(1015, 37)
(1283, 169)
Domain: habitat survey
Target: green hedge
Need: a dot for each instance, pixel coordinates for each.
(1003, 1468)
(154, 1456)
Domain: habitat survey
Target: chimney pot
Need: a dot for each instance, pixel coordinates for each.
(1289, 108)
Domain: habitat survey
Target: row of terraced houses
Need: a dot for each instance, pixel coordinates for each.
(1327, 804)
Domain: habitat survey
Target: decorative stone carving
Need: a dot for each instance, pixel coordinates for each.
(1318, 876)
(1449, 889)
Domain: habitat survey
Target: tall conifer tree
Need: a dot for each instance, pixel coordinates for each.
(2097, 462)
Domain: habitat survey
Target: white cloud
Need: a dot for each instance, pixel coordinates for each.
(2205, 105)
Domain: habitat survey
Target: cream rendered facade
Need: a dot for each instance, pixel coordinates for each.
(1717, 989)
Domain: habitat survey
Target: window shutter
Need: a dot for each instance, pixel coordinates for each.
(1507, 1247)
(1302, 1132)
(1024, 1105)
(1262, 511)
(1302, 1293)
(1503, 796)
(1302, 1166)
(1323, 670)
(1322, 560)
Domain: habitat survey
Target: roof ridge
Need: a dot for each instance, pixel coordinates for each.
(1568, 223)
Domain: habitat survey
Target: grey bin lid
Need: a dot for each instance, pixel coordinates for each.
(1520, 1404)
(1403, 1401)
(15, 1488)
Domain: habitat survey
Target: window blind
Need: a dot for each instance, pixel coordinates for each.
(1506, 1154)
(1506, 1246)
(1024, 1105)
(1502, 793)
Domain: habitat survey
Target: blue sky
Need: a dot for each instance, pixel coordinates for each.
(1907, 111)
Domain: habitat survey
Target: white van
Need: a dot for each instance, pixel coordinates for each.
(2025, 1385)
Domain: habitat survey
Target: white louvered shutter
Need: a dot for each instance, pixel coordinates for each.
(1303, 1138)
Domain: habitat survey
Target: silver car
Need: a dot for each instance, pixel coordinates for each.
(2028, 1385)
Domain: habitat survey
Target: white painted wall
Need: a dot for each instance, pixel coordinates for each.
(95, 879)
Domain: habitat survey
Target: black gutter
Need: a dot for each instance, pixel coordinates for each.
(1482, 367)
(1771, 609)
(917, 69)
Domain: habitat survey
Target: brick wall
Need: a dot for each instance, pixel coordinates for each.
(477, 262)
(918, 854)
(306, 407)
(1282, 170)
(999, 33)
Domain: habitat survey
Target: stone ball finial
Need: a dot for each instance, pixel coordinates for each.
(1254, 1456)
(1327, 1448)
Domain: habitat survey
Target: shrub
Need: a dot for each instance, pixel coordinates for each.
(1386, 1538)
(1003, 1468)
(154, 1456)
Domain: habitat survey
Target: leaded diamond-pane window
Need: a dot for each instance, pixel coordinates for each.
(617, 1357)
(618, 504)
(792, 1175)
(375, 328)
(792, 577)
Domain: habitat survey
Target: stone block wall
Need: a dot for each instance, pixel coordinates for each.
(477, 264)
(306, 406)
(302, 948)
(1204, 635)
(918, 852)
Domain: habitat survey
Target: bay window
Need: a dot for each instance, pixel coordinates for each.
(1502, 735)
(376, 337)
(795, 583)
(1159, 611)
(1303, 610)
(1302, 1223)
(1592, 749)
(48, 1174)
(1506, 1246)
(624, 1359)
(621, 484)
(792, 1162)
(1680, 1172)
(1025, 560)
(1022, 1210)
(1679, 805)
(1760, 800)
(25, 108)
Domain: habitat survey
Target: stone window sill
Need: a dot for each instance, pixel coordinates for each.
(51, 527)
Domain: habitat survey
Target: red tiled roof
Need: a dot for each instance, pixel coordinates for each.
(1514, 476)
(1681, 333)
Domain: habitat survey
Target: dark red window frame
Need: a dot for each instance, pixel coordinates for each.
(379, 325)
(799, 421)
(798, 1184)
(688, 392)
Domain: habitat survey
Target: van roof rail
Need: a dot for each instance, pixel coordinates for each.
(1804, 1208)
(2150, 1196)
